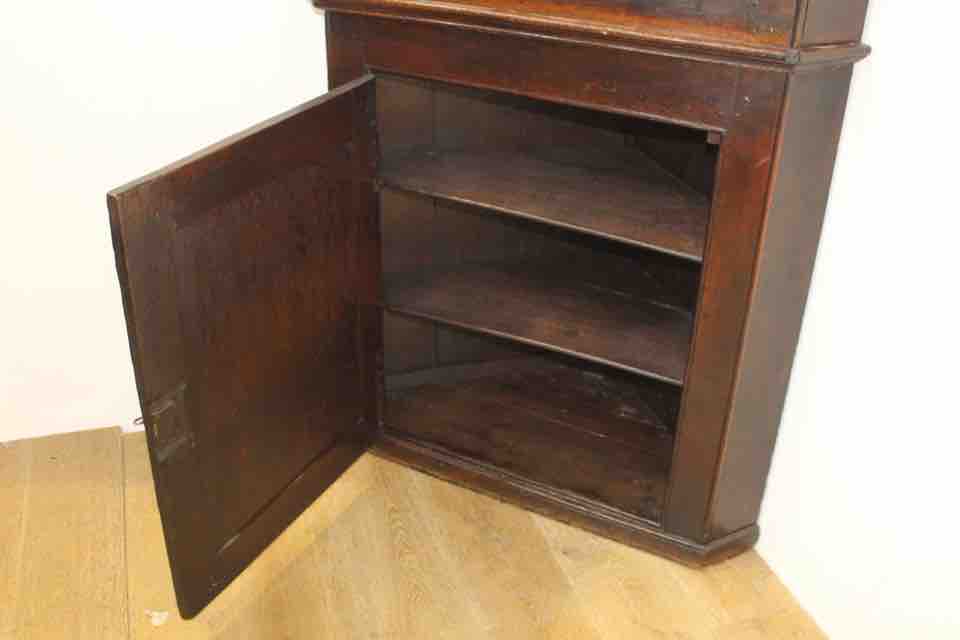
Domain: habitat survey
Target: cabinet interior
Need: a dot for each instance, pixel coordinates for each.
(541, 269)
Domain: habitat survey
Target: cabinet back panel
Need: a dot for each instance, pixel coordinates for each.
(422, 236)
(414, 114)
(635, 181)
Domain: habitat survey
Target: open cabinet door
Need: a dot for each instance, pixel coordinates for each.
(250, 275)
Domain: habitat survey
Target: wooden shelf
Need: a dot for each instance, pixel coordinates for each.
(592, 435)
(628, 199)
(614, 327)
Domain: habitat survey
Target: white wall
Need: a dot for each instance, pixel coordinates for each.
(861, 513)
(94, 94)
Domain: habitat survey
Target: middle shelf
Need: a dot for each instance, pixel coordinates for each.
(613, 326)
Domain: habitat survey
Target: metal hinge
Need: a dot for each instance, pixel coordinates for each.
(168, 424)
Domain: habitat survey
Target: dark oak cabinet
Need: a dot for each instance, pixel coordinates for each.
(554, 250)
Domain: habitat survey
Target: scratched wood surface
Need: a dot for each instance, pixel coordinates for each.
(385, 553)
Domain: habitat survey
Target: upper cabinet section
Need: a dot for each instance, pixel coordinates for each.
(824, 22)
(767, 29)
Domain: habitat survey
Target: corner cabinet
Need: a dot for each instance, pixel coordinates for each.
(556, 251)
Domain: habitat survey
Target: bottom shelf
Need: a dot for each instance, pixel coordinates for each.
(594, 435)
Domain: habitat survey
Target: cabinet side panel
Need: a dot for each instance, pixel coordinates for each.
(807, 151)
(831, 22)
(736, 219)
(345, 51)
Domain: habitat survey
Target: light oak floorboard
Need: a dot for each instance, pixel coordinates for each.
(282, 593)
(385, 553)
(404, 586)
(152, 602)
(14, 479)
(502, 562)
(638, 595)
(153, 608)
(785, 625)
(73, 576)
(372, 573)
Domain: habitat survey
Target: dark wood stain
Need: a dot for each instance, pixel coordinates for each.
(631, 199)
(547, 423)
(810, 133)
(739, 25)
(250, 273)
(825, 22)
(736, 221)
(616, 327)
(559, 504)
(575, 281)
(633, 83)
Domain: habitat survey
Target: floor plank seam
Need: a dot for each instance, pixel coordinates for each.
(128, 622)
(566, 583)
(433, 526)
(22, 543)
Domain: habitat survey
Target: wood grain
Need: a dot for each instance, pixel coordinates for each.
(15, 460)
(151, 591)
(735, 115)
(386, 553)
(249, 274)
(307, 599)
(151, 601)
(784, 625)
(561, 315)
(500, 563)
(741, 26)
(373, 573)
(786, 253)
(412, 588)
(602, 78)
(305, 572)
(256, 348)
(633, 201)
(73, 571)
(632, 594)
(830, 21)
(746, 163)
(578, 431)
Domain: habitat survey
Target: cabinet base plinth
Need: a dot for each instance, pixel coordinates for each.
(560, 505)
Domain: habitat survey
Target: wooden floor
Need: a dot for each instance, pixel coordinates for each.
(387, 553)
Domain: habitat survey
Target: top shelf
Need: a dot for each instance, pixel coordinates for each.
(630, 200)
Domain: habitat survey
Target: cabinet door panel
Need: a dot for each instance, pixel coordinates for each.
(249, 274)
